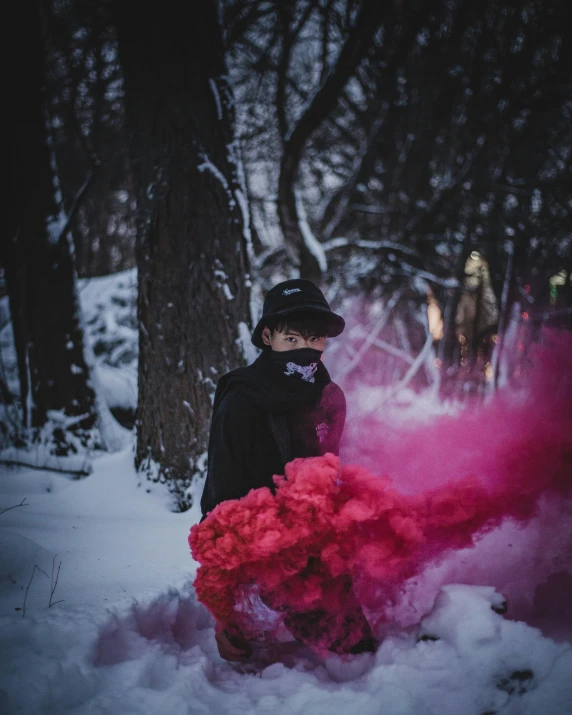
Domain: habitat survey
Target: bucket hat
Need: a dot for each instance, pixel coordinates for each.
(296, 296)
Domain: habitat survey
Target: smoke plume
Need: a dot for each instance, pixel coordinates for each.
(334, 532)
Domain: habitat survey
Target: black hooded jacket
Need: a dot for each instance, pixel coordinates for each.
(262, 419)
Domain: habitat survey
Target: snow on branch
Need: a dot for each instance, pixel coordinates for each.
(363, 243)
(216, 96)
(445, 282)
(57, 226)
(207, 165)
(310, 241)
(240, 193)
(74, 207)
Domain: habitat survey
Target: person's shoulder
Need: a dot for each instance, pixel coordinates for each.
(334, 388)
(228, 383)
(233, 400)
(334, 394)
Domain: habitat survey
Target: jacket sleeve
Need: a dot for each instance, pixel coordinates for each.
(336, 411)
(230, 444)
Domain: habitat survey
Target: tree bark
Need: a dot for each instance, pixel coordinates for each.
(37, 255)
(193, 228)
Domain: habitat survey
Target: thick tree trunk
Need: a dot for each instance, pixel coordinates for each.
(37, 256)
(192, 234)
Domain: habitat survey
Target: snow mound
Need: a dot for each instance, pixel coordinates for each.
(25, 566)
(131, 638)
(109, 305)
(160, 656)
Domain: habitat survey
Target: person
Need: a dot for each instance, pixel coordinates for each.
(281, 407)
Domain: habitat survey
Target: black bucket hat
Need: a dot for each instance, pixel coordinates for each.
(296, 296)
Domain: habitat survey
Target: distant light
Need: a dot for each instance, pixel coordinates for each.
(475, 255)
(525, 315)
(434, 317)
(559, 279)
(488, 372)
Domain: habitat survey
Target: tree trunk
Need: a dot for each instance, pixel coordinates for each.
(37, 256)
(193, 228)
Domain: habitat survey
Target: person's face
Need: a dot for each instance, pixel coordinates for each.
(282, 340)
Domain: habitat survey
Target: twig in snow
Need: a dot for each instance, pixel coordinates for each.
(77, 473)
(28, 586)
(7, 508)
(54, 584)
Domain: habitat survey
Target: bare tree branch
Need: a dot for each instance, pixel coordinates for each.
(372, 336)
(22, 503)
(323, 101)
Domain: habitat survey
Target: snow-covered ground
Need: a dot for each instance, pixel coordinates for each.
(125, 633)
(109, 310)
(109, 307)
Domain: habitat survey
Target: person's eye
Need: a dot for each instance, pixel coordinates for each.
(291, 339)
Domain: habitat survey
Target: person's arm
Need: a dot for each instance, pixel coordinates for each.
(230, 444)
(337, 418)
(231, 435)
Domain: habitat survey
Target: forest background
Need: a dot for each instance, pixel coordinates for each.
(412, 157)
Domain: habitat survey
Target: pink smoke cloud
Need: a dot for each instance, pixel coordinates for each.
(331, 525)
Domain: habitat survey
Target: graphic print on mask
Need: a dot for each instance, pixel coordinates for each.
(302, 363)
(307, 372)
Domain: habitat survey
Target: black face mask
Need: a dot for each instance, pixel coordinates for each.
(301, 363)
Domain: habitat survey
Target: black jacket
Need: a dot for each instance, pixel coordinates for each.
(262, 420)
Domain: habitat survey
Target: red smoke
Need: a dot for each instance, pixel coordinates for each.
(331, 523)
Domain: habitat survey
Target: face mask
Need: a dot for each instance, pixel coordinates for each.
(302, 363)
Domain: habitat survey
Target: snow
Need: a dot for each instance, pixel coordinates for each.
(240, 193)
(108, 315)
(216, 96)
(249, 351)
(245, 212)
(39, 457)
(128, 635)
(125, 633)
(311, 242)
(363, 243)
(118, 387)
(55, 225)
(207, 165)
(108, 306)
